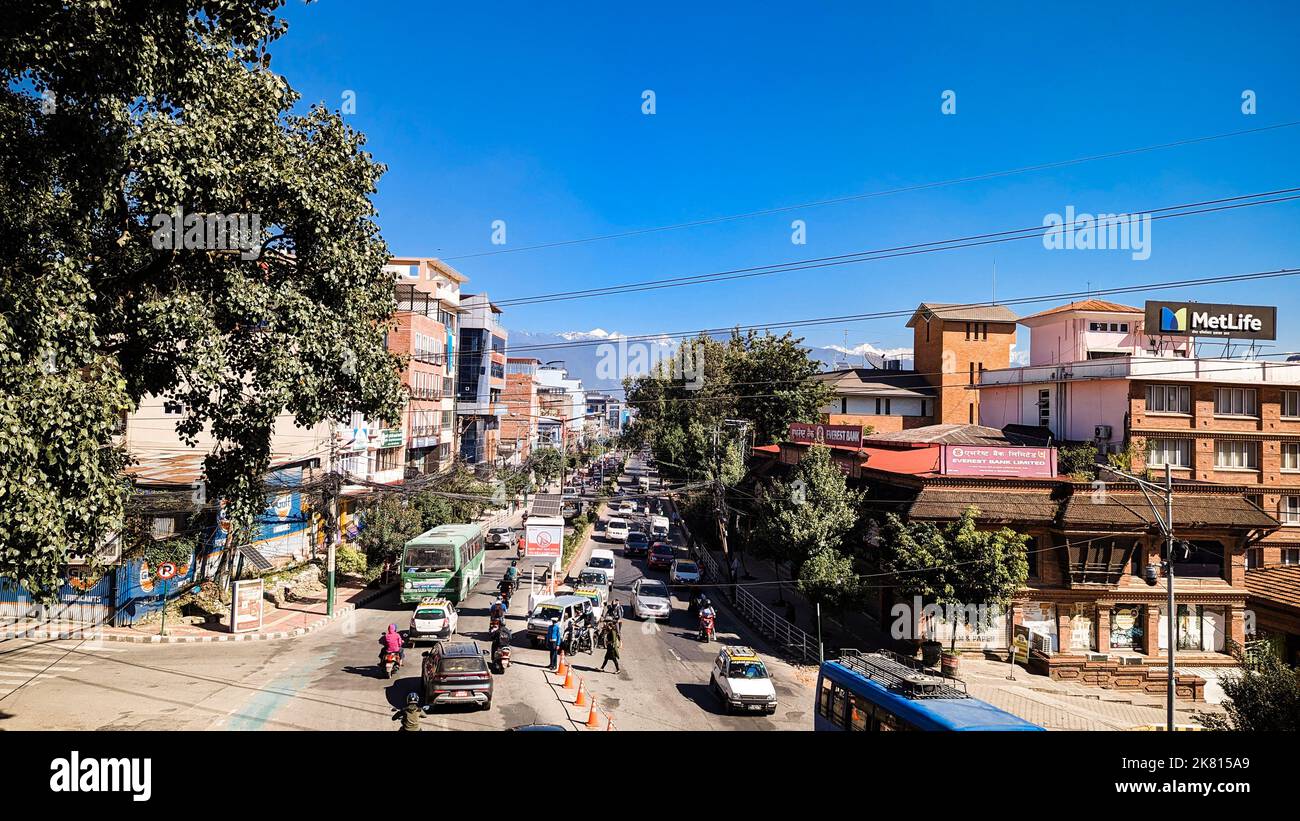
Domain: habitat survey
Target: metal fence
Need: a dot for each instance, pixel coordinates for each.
(784, 635)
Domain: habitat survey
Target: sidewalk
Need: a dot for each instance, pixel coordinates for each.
(293, 619)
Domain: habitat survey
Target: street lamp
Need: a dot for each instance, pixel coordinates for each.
(1166, 523)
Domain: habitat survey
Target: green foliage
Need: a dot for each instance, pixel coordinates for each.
(760, 378)
(1078, 461)
(808, 514)
(349, 561)
(546, 463)
(147, 113)
(955, 563)
(828, 577)
(434, 510)
(388, 525)
(1263, 696)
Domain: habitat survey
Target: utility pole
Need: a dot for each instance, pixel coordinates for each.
(331, 526)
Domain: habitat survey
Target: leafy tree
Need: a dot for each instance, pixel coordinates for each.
(828, 577)
(808, 514)
(771, 376)
(388, 525)
(956, 564)
(434, 509)
(547, 463)
(1263, 696)
(1078, 461)
(113, 116)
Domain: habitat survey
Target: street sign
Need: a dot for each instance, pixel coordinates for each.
(166, 570)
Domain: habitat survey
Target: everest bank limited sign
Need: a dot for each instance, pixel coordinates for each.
(840, 436)
(980, 460)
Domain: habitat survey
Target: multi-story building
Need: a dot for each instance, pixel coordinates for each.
(481, 379)
(1095, 375)
(523, 410)
(886, 399)
(564, 399)
(952, 345)
(428, 299)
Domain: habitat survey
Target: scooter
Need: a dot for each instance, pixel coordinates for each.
(706, 628)
(392, 663)
(501, 657)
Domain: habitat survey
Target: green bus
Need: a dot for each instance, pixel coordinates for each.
(446, 561)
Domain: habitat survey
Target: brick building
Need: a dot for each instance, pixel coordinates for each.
(519, 425)
(952, 345)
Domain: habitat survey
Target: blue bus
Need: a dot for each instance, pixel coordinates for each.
(882, 691)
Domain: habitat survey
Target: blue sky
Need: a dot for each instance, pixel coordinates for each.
(531, 113)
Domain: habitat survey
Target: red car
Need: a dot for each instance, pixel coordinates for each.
(661, 555)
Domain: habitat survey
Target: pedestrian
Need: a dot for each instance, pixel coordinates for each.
(735, 568)
(553, 639)
(612, 646)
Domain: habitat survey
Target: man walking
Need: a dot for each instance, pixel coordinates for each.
(553, 639)
(612, 645)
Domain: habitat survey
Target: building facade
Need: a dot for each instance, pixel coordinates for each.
(519, 425)
(953, 345)
(481, 379)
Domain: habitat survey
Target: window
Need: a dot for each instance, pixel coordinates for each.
(970, 413)
(1254, 558)
(844, 406)
(972, 373)
(1236, 454)
(1291, 456)
(1169, 399)
(925, 408)
(967, 331)
(387, 459)
(1044, 408)
(882, 407)
(1289, 510)
(1291, 555)
(1127, 626)
(1173, 452)
(1291, 403)
(1234, 401)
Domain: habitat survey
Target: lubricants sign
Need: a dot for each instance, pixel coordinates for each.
(840, 436)
(982, 460)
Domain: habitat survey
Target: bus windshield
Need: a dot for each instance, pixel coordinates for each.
(429, 558)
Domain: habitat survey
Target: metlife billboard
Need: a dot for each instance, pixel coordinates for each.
(1210, 319)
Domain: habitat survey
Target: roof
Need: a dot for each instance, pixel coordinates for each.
(1099, 306)
(948, 434)
(460, 648)
(740, 652)
(1279, 585)
(1026, 506)
(954, 311)
(876, 382)
(909, 460)
(434, 263)
(1130, 509)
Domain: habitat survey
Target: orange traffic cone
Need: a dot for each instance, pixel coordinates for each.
(560, 667)
(610, 725)
(569, 681)
(593, 720)
(581, 700)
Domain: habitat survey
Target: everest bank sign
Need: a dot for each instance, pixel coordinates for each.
(840, 436)
(978, 460)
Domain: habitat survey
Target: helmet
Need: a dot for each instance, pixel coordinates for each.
(413, 698)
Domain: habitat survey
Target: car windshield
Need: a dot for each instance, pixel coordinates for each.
(747, 669)
(429, 559)
(636, 536)
(591, 578)
(461, 664)
(662, 550)
(653, 591)
(428, 613)
(687, 567)
(602, 562)
(548, 612)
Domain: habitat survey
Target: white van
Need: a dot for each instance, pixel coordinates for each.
(616, 530)
(603, 559)
(658, 528)
(564, 608)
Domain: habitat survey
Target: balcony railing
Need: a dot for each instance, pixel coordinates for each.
(1151, 367)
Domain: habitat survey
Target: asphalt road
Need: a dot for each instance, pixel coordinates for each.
(328, 679)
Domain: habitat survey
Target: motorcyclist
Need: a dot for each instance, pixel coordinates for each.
(707, 615)
(500, 637)
(505, 588)
(512, 572)
(392, 642)
(410, 716)
(498, 610)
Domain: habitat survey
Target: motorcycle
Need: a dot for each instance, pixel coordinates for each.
(494, 624)
(501, 657)
(706, 628)
(392, 663)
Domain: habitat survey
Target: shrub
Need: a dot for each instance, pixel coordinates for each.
(349, 561)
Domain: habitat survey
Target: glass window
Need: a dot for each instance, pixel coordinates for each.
(1234, 401)
(1174, 452)
(1291, 555)
(839, 705)
(1291, 403)
(824, 698)
(1169, 399)
(859, 713)
(1289, 510)
(1236, 454)
(1254, 558)
(1291, 456)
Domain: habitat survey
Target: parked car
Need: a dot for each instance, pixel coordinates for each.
(684, 571)
(500, 536)
(740, 680)
(636, 544)
(661, 556)
(565, 608)
(434, 618)
(650, 599)
(456, 672)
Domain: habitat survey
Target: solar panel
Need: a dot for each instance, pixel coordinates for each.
(546, 504)
(254, 556)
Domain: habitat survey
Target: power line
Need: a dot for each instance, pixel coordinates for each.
(874, 194)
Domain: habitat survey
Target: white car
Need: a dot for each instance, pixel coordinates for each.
(616, 530)
(684, 571)
(650, 599)
(603, 559)
(741, 682)
(434, 618)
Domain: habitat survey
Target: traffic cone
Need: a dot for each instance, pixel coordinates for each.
(560, 667)
(569, 681)
(593, 720)
(610, 725)
(581, 700)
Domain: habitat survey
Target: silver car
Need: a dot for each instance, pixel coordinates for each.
(650, 599)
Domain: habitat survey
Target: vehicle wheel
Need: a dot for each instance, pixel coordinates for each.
(487, 705)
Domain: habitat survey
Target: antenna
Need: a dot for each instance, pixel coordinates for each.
(995, 281)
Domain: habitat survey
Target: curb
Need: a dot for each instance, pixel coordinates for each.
(42, 633)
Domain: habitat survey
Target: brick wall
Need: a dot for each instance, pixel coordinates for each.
(944, 355)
